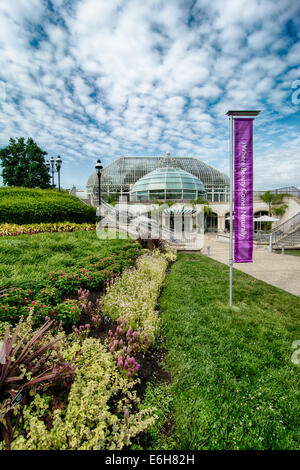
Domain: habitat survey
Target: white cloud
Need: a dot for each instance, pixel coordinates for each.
(98, 78)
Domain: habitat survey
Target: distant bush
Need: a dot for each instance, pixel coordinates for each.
(27, 205)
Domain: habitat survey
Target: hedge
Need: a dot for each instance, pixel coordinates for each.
(26, 205)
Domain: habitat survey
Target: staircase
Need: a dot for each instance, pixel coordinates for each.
(292, 239)
(287, 233)
(141, 226)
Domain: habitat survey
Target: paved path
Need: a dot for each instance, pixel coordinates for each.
(279, 270)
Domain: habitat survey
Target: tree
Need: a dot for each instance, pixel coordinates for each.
(23, 164)
(273, 200)
(267, 197)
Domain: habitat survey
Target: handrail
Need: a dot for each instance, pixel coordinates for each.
(292, 221)
(143, 222)
(285, 228)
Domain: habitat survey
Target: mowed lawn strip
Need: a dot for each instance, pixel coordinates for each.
(234, 385)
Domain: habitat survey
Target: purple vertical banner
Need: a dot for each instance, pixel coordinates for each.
(243, 190)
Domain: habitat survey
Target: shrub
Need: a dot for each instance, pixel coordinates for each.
(133, 296)
(18, 205)
(101, 412)
(19, 303)
(94, 275)
(31, 362)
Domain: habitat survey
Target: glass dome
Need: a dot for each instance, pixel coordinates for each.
(167, 183)
(120, 175)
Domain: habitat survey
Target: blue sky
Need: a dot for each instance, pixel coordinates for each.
(91, 79)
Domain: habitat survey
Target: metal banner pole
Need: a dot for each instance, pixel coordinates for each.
(231, 210)
(231, 114)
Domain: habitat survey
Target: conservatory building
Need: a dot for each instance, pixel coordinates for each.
(181, 178)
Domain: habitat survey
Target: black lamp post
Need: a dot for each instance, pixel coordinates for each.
(58, 164)
(52, 169)
(98, 171)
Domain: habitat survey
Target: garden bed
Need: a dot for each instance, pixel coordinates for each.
(121, 328)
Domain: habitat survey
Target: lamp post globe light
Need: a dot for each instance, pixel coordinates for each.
(58, 164)
(52, 169)
(99, 167)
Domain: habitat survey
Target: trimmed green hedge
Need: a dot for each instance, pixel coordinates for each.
(26, 205)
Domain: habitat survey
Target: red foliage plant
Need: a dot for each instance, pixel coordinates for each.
(27, 365)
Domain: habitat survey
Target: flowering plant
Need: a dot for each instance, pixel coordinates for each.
(31, 229)
(102, 411)
(133, 296)
(125, 345)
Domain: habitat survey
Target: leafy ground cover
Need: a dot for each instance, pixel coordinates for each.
(27, 261)
(233, 384)
(47, 294)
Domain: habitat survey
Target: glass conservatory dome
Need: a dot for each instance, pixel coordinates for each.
(120, 176)
(167, 183)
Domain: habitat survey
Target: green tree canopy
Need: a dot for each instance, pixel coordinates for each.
(273, 199)
(23, 164)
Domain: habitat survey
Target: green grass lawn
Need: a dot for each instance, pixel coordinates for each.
(233, 385)
(292, 252)
(26, 260)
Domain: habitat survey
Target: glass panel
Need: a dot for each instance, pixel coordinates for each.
(156, 179)
(174, 194)
(157, 194)
(189, 195)
(186, 180)
(173, 185)
(141, 187)
(155, 186)
(174, 180)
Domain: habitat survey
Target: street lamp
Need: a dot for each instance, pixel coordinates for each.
(58, 164)
(52, 169)
(98, 171)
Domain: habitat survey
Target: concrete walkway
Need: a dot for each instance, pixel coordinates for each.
(279, 270)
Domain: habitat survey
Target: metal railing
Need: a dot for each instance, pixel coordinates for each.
(291, 239)
(147, 228)
(261, 237)
(291, 190)
(285, 228)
